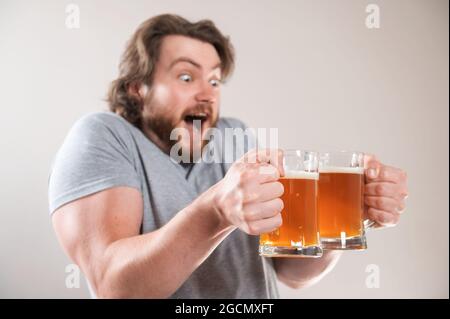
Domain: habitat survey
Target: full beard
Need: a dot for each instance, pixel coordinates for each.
(196, 127)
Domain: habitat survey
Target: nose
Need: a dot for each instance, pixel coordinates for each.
(206, 93)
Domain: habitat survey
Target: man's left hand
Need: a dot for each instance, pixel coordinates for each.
(385, 191)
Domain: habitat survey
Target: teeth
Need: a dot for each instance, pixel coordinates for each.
(200, 116)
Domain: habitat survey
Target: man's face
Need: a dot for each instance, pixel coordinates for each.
(185, 87)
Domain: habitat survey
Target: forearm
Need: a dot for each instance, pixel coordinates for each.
(302, 272)
(156, 264)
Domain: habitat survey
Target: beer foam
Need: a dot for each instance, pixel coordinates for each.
(345, 170)
(301, 175)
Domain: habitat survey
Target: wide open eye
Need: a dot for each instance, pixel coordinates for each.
(185, 77)
(215, 83)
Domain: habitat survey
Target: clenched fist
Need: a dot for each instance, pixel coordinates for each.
(248, 197)
(385, 192)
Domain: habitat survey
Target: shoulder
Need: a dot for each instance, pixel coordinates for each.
(100, 125)
(102, 120)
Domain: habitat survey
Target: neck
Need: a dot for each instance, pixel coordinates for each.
(156, 140)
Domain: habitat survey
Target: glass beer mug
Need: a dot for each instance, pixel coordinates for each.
(341, 200)
(298, 236)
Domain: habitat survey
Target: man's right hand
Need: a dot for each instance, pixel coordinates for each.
(101, 231)
(248, 197)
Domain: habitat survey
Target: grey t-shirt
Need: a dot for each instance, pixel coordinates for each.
(103, 150)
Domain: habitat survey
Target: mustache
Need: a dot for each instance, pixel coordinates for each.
(199, 108)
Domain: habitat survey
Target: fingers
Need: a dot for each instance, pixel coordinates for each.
(385, 192)
(264, 192)
(385, 173)
(264, 225)
(371, 160)
(257, 211)
(268, 156)
(267, 173)
(395, 191)
(383, 218)
(372, 166)
(385, 203)
(255, 173)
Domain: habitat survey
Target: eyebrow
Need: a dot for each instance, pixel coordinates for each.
(188, 60)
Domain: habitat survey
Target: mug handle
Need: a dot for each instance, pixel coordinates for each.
(369, 224)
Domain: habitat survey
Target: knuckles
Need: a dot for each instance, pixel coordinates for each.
(379, 202)
(279, 220)
(245, 177)
(280, 190)
(279, 204)
(235, 193)
(251, 230)
(380, 189)
(384, 219)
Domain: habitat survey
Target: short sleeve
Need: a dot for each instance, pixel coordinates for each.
(96, 155)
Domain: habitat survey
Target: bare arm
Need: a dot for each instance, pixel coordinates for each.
(101, 234)
(302, 272)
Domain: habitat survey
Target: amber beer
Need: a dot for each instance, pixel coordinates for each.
(298, 235)
(341, 206)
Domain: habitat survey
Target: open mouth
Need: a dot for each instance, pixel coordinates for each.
(200, 116)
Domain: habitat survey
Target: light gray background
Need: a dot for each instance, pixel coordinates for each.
(310, 68)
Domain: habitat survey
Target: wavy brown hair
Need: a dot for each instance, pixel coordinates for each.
(138, 62)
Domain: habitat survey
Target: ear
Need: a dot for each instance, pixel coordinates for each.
(143, 90)
(137, 90)
(133, 90)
